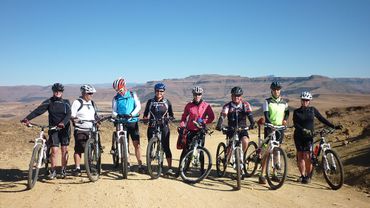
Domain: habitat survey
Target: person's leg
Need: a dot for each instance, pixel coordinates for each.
(166, 145)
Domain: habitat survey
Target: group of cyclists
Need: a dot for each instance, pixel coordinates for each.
(197, 112)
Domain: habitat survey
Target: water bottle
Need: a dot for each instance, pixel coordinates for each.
(316, 150)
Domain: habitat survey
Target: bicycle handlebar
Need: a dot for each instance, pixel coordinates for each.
(43, 126)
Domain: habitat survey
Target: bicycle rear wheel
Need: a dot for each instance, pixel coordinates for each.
(92, 160)
(154, 157)
(192, 168)
(276, 168)
(221, 159)
(250, 159)
(33, 170)
(332, 169)
(124, 157)
(115, 156)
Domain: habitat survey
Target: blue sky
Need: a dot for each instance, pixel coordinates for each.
(96, 41)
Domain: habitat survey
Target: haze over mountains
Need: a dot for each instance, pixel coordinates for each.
(217, 89)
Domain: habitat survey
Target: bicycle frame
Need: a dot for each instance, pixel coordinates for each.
(323, 146)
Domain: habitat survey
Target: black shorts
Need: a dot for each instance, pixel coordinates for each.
(241, 134)
(59, 137)
(133, 131)
(279, 134)
(303, 144)
(81, 138)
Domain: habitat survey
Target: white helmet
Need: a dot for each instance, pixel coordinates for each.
(197, 90)
(306, 95)
(87, 89)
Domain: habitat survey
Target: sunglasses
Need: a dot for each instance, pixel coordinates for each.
(197, 94)
(90, 93)
(304, 100)
(159, 90)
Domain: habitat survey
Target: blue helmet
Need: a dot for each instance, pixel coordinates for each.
(160, 86)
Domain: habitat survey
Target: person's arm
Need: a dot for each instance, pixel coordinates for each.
(146, 111)
(170, 110)
(296, 122)
(184, 115)
(42, 108)
(223, 115)
(137, 106)
(286, 114)
(114, 107)
(68, 112)
(322, 119)
(265, 108)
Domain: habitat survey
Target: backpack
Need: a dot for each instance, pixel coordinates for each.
(181, 140)
(81, 102)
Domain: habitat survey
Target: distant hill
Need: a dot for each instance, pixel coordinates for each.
(217, 88)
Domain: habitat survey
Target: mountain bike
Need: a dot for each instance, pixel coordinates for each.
(92, 154)
(196, 156)
(276, 165)
(40, 155)
(154, 151)
(119, 138)
(330, 164)
(230, 153)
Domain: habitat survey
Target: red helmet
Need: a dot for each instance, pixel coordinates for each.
(119, 85)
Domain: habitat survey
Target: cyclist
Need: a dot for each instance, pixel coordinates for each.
(303, 119)
(276, 112)
(126, 102)
(159, 108)
(82, 108)
(237, 109)
(59, 110)
(199, 111)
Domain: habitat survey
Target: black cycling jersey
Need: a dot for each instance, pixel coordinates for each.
(242, 112)
(303, 118)
(59, 110)
(158, 109)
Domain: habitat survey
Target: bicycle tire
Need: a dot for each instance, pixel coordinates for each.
(33, 170)
(115, 156)
(124, 159)
(333, 170)
(274, 178)
(91, 158)
(188, 173)
(238, 167)
(154, 158)
(250, 159)
(221, 159)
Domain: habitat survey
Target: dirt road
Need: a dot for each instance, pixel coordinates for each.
(140, 191)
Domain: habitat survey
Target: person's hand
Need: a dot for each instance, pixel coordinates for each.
(182, 124)
(307, 132)
(25, 121)
(60, 125)
(284, 122)
(200, 121)
(338, 127)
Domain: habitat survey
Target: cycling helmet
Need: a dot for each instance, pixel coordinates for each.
(275, 85)
(306, 95)
(119, 84)
(237, 91)
(160, 86)
(87, 89)
(57, 87)
(197, 90)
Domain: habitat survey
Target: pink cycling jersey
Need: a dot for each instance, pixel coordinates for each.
(192, 112)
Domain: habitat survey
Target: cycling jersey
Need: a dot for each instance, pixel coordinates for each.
(157, 109)
(83, 110)
(239, 111)
(126, 104)
(193, 111)
(275, 110)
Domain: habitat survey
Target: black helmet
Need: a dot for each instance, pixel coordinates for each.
(57, 87)
(275, 85)
(237, 91)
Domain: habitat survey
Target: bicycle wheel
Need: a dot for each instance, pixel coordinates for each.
(115, 156)
(332, 169)
(124, 159)
(276, 168)
(192, 168)
(33, 170)
(250, 159)
(92, 160)
(154, 156)
(221, 159)
(238, 167)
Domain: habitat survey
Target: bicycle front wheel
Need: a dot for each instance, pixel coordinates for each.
(124, 157)
(221, 159)
(238, 167)
(332, 169)
(92, 160)
(115, 156)
(192, 166)
(154, 157)
(251, 159)
(33, 170)
(276, 168)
